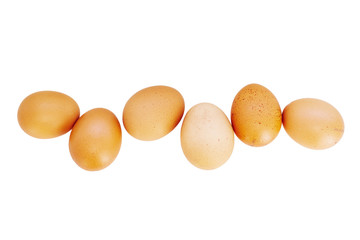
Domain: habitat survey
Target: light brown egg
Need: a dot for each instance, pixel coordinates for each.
(153, 112)
(207, 138)
(95, 139)
(256, 115)
(47, 114)
(313, 123)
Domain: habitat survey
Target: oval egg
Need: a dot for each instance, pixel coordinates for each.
(256, 115)
(207, 138)
(313, 123)
(153, 112)
(95, 139)
(47, 114)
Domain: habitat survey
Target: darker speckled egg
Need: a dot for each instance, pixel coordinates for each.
(256, 115)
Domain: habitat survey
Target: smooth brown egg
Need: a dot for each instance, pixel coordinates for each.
(47, 114)
(207, 138)
(313, 123)
(95, 139)
(256, 115)
(153, 112)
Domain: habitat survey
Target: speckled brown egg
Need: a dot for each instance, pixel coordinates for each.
(95, 139)
(47, 114)
(313, 123)
(256, 115)
(207, 138)
(153, 112)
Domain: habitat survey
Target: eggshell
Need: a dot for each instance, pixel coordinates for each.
(207, 138)
(47, 114)
(256, 115)
(95, 139)
(153, 112)
(313, 123)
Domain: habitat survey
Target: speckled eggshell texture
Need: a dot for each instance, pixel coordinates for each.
(256, 115)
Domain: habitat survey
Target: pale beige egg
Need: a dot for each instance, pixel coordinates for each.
(207, 138)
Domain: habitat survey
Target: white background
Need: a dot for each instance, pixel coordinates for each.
(102, 52)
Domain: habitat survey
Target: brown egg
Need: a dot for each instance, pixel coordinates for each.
(47, 114)
(153, 112)
(95, 139)
(256, 115)
(207, 138)
(313, 123)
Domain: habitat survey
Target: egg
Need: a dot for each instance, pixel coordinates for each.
(313, 123)
(47, 114)
(153, 112)
(256, 115)
(207, 138)
(95, 139)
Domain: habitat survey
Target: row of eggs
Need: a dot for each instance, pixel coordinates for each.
(207, 135)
